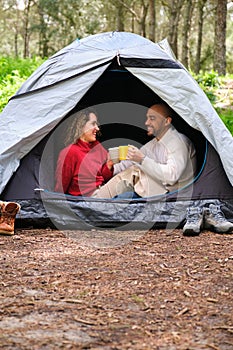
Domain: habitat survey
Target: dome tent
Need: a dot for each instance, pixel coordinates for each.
(121, 74)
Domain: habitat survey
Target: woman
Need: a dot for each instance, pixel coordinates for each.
(83, 166)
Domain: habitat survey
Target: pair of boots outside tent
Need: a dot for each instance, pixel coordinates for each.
(8, 211)
(208, 218)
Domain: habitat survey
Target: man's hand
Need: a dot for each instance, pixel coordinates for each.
(135, 154)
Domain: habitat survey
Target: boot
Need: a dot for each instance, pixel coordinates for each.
(215, 220)
(194, 222)
(8, 211)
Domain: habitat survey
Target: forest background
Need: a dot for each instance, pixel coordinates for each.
(200, 33)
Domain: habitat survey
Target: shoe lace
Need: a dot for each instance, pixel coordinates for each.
(193, 215)
(8, 218)
(217, 213)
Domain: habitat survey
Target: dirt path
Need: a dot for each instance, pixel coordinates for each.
(159, 291)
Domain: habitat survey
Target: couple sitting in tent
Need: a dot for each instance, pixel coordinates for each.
(165, 163)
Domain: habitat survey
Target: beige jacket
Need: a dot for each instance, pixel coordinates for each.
(170, 163)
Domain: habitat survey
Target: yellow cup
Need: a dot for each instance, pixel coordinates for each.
(123, 152)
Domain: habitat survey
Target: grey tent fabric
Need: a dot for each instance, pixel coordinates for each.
(64, 79)
(111, 67)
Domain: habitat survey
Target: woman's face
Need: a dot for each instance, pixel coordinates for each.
(90, 129)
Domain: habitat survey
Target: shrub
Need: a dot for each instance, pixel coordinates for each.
(227, 117)
(209, 82)
(13, 72)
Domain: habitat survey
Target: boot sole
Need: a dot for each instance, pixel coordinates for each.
(190, 232)
(216, 230)
(7, 233)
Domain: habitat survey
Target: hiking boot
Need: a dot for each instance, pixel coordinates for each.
(214, 220)
(8, 211)
(194, 222)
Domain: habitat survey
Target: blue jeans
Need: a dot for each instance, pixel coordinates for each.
(127, 195)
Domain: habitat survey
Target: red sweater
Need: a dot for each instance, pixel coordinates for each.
(81, 168)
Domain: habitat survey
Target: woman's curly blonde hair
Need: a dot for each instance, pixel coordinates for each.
(75, 130)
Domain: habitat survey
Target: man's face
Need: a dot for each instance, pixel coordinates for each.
(157, 124)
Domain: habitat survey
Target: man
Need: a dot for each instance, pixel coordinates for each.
(164, 164)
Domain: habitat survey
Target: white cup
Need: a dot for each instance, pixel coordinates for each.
(114, 154)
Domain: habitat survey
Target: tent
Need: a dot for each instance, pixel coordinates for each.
(121, 74)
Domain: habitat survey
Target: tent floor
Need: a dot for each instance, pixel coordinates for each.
(88, 214)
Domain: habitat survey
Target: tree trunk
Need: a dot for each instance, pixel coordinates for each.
(142, 23)
(137, 15)
(120, 17)
(16, 34)
(16, 45)
(174, 17)
(43, 42)
(201, 4)
(152, 20)
(185, 33)
(26, 29)
(220, 37)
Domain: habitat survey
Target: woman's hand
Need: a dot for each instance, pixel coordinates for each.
(109, 164)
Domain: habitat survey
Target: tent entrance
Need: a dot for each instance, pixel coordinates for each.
(121, 101)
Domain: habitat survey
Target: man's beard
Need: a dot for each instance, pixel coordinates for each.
(151, 132)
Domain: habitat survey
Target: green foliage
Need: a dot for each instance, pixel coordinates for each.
(209, 82)
(25, 67)
(8, 86)
(13, 72)
(229, 62)
(227, 117)
(210, 79)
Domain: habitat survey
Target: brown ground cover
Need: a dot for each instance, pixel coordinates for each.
(116, 290)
